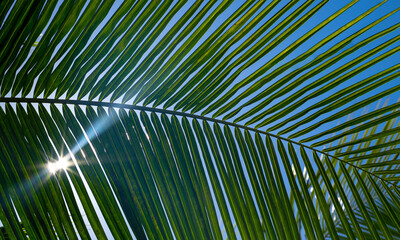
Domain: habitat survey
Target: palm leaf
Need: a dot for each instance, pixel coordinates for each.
(199, 120)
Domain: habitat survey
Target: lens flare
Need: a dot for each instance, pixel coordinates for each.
(62, 163)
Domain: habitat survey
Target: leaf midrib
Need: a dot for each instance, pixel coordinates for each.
(177, 113)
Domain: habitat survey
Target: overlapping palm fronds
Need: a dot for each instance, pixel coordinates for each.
(199, 120)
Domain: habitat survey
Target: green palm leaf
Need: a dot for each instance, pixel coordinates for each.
(182, 120)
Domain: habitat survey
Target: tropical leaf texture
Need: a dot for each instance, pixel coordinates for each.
(199, 120)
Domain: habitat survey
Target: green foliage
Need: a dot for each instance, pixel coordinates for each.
(199, 120)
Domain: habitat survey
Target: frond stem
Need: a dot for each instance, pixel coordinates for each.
(183, 114)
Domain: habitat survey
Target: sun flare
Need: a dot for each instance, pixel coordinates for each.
(62, 163)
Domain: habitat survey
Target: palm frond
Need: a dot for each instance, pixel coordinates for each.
(201, 120)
